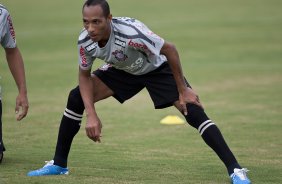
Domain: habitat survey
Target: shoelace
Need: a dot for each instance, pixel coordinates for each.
(47, 163)
(241, 173)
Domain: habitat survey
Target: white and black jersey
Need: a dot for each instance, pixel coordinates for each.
(132, 47)
(7, 32)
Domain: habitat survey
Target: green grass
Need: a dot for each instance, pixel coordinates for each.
(231, 54)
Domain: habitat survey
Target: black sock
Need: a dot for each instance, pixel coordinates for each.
(2, 148)
(1, 142)
(68, 129)
(70, 125)
(212, 136)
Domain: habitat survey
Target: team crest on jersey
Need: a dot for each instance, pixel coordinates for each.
(119, 55)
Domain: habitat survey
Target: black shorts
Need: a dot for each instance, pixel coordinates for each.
(160, 84)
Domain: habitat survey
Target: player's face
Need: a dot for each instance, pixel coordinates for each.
(97, 25)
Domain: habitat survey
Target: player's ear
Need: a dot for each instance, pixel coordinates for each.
(110, 17)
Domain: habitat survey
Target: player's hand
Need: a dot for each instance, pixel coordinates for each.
(22, 106)
(93, 128)
(188, 96)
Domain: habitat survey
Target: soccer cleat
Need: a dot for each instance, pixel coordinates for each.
(239, 176)
(49, 169)
(1, 156)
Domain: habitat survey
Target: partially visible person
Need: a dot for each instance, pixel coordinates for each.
(16, 65)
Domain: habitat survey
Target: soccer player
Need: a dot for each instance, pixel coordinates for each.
(136, 58)
(16, 65)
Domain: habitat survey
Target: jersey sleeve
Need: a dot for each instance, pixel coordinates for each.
(8, 36)
(85, 60)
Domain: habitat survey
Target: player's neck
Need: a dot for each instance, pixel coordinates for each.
(103, 42)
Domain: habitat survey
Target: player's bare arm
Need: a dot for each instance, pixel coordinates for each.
(93, 124)
(186, 95)
(16, 65)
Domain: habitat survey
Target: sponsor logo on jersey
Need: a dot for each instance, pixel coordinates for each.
(91, 47)
(140, 46)
(11, 28)
(134, 66)
(119, 55)
(120, 42)
(82, 57)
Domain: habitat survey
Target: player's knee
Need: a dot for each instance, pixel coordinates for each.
(75, 102)
(196, 115)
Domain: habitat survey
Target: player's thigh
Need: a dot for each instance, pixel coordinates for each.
(101, 90)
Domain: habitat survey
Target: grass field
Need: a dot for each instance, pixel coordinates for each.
(231, 53)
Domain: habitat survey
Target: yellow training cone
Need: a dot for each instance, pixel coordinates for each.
(172, 120)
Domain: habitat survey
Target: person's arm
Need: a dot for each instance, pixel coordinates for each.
(93, 124)
(186, 95)
(16, 65)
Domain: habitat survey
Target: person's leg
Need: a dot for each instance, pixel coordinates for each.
(2, 148)
(212, 136)
(70, 125)
(71, 120)
(163, 91)
(1, 141)
(162, 88)
(198, 119)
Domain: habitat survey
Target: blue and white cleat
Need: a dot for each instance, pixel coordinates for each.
(239, 176)
(49, 169)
